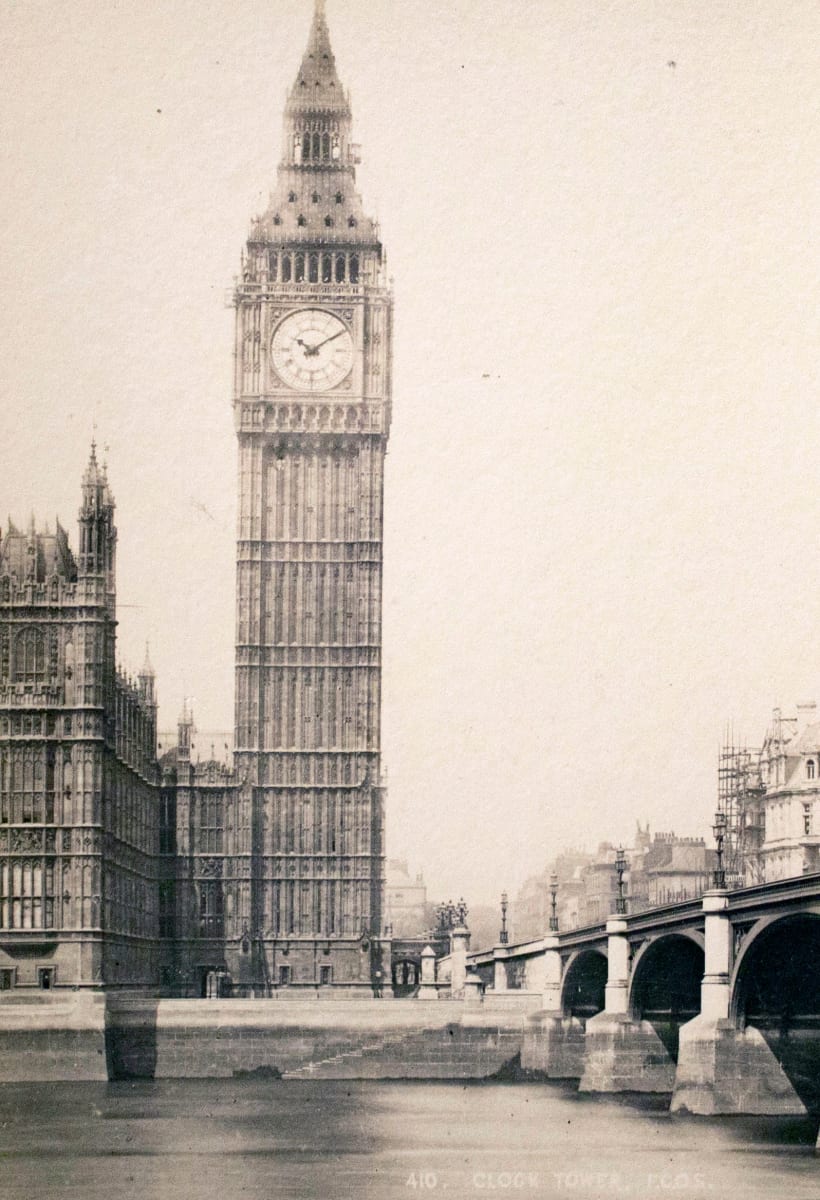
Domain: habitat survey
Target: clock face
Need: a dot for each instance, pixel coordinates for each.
(312, 350)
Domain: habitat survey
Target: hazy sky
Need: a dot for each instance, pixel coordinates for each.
(601, 513)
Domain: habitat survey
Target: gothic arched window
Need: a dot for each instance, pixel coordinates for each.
(354, 269)
(286, 268)
(339, 198)
(306, 146)
(317, 146)
(327, 268)
(314, 268)
(329, 222)
(352, 222)
(30, 656)
(299, 271)
(340, 268)
(211, 909)
(325, 146)
(810, 769)
(301, 220)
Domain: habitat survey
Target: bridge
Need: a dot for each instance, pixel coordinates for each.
(715, 1000)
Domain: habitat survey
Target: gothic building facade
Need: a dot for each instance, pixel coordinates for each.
(78, 769)
(116, 867)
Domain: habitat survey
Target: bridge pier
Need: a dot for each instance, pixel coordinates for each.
(622, 1054)
(500, 969)
(723, 1069)
(427, 984)
(459, 945)
(553, 1041)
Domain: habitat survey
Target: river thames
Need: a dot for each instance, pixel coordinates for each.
(216, 1140)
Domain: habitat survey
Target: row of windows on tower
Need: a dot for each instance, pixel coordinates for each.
(316, 147)
(302, 221)
(314, 268)
(316, 198)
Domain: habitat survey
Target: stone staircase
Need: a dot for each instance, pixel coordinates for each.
(440, 1052)
(343, 1064)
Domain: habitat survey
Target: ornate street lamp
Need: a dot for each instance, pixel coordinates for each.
(503, 937)
(719, 831)
(553, 903)
(620, 867)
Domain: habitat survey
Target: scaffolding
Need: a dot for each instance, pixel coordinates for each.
(741, 789)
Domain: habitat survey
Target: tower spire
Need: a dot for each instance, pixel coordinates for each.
(98, 534)
(317, 86)
(147, 668)
(147, 680)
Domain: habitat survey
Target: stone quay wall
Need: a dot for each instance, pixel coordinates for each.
(123, 1036)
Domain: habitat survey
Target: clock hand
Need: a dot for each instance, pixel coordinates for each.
(310, 351)
(332, 338)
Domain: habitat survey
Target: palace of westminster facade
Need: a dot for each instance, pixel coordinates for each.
(122, 869)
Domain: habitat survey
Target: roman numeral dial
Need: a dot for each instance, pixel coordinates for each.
(312, 350)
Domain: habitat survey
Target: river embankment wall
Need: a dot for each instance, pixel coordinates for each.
(121, 1036)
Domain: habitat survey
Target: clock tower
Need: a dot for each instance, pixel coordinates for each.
(312, 398)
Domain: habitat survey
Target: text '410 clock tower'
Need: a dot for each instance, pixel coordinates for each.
(312, 414)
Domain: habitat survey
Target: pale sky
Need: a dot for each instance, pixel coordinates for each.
(601, 505)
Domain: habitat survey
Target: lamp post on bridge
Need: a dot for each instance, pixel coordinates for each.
(503, 937)
(719, 831)
(620, 867)
(553, 903)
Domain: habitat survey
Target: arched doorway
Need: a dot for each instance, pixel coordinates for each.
(214, 982)
(666, 986)
(406, 977)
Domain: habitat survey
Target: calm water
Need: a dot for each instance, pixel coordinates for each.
(260, 1139)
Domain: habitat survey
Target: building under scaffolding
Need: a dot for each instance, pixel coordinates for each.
(741, 789)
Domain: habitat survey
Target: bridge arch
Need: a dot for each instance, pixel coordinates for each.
(583, 988)
(665, 982)
(775, 989)
(757, 950)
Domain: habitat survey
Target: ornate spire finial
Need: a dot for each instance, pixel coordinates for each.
(147, 668)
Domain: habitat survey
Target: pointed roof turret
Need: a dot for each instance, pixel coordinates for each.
(96, 492)
(146, 680)
(317, 86)
(146, 669)
(315, 200)
(92, 471)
